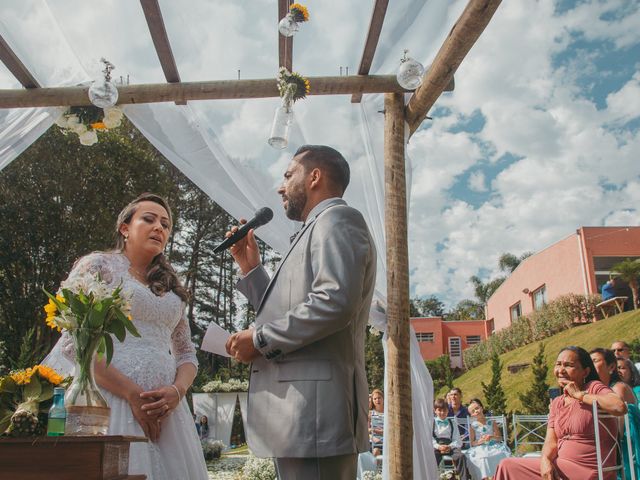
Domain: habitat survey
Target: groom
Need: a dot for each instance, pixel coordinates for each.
(308, 394)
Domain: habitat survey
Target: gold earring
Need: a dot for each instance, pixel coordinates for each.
(126, 237)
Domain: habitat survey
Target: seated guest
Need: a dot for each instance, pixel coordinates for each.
(569, 450)
(446, 438)
(629, 374)
(376, 422)
(605, 363)
(460, 412)
(608, 289)
(487, 448)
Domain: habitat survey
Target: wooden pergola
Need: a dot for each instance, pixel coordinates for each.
(438, 78)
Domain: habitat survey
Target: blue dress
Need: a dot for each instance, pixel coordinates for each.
(483, 460)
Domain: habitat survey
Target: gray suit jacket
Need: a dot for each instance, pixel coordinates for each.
(308, 393)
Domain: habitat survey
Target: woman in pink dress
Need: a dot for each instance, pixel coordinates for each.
(569, 450)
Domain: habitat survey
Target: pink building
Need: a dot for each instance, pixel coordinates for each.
(437, 337)
(580, 263)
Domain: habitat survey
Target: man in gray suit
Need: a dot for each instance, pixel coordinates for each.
(308, 393)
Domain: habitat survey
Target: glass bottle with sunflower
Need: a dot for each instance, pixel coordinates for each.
(289, 25)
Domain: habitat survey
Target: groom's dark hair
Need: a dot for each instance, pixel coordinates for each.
(329, 160)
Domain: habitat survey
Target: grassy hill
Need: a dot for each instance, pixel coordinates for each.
(601, 334)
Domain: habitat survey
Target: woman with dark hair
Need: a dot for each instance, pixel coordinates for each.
(605, 362)
(148, 377)
(629, 374)
(569, 449)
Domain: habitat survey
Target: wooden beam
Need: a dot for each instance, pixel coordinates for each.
(182, 92)
(15, 66)
(160, 39)
(285, 44)
(375, 27)
(463, 36)
(398, 438)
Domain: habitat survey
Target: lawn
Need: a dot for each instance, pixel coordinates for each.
(601, 334)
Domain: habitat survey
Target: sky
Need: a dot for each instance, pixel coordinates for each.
(539, 137)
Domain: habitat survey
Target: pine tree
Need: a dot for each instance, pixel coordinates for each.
(496, 401)
(536, 400)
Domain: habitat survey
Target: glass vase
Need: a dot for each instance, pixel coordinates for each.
(282, 121)
(87, 410)
(288, 27)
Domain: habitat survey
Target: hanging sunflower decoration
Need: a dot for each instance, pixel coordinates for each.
(292, 86)
(299, 12)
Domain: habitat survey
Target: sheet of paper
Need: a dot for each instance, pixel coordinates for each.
(215, 339)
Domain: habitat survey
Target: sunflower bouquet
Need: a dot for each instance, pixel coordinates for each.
(25, 399)
(86, 122)
(292, 86)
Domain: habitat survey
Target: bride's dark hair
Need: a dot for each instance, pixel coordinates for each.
(161, 276)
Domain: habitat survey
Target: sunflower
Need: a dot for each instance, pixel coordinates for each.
(299, 12)
(48, 374)
(22, 377)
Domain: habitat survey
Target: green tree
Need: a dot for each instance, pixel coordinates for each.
(465, 310)
(629, 271)
(426, 307)
(508, 262)
(441, 373)
(374, 360)
(496, 400)
(536, 400)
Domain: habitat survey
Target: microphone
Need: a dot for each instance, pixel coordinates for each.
(262, 217)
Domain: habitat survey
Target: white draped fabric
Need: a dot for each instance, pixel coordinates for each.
(221, 145)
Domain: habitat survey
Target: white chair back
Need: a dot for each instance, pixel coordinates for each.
(463, 428)
(529, 430)
(501, 420)
(616, 449)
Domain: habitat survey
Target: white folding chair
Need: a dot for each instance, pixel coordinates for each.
(529, 430)
(463, 428)
(501, 420)
(616, 449)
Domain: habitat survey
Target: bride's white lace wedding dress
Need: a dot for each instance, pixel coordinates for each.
(150, 361)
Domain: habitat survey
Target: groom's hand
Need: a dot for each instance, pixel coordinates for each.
(240, 346)
(245, 251)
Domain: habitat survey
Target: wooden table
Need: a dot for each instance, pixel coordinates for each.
(69, 458)
(611, 305)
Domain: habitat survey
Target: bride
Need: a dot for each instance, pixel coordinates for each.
(146, 382)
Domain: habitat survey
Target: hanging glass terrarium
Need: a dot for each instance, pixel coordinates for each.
(103, 93)
(410, 72)
(290, 23)
(292, 87)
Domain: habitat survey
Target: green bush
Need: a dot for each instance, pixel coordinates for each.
(258, 469)
(553, 318)
(212, 449)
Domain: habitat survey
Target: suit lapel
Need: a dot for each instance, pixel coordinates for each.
(312, 218)
(284, 259)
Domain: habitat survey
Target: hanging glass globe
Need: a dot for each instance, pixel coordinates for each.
(103, 94)
(288, 27)
(410, 73)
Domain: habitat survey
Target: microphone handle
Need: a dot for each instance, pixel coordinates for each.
(238, 235)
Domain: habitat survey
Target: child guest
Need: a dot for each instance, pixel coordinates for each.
(487, 449)
(446, 438)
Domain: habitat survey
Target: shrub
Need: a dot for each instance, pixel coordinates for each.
(555, 317)
(258, 469)
(369, 475)
(233, 385)
(212, 449)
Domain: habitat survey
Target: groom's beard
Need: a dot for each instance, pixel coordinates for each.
(297, 199)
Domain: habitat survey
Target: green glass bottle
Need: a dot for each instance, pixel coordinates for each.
(57, 414)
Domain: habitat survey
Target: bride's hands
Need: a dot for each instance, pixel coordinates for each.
(150, 424)
(162, 401)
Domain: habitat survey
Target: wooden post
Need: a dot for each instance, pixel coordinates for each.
(399, 434)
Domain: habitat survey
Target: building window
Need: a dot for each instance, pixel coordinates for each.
(516, 312)
(473, 339)
(424, 336)
(540, 298)
(455, 348)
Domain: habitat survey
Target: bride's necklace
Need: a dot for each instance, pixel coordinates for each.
(138, 274)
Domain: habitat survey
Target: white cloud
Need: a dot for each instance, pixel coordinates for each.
(477, 182)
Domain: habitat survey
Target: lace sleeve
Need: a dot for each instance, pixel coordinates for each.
(181, 345)
(93, 263)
